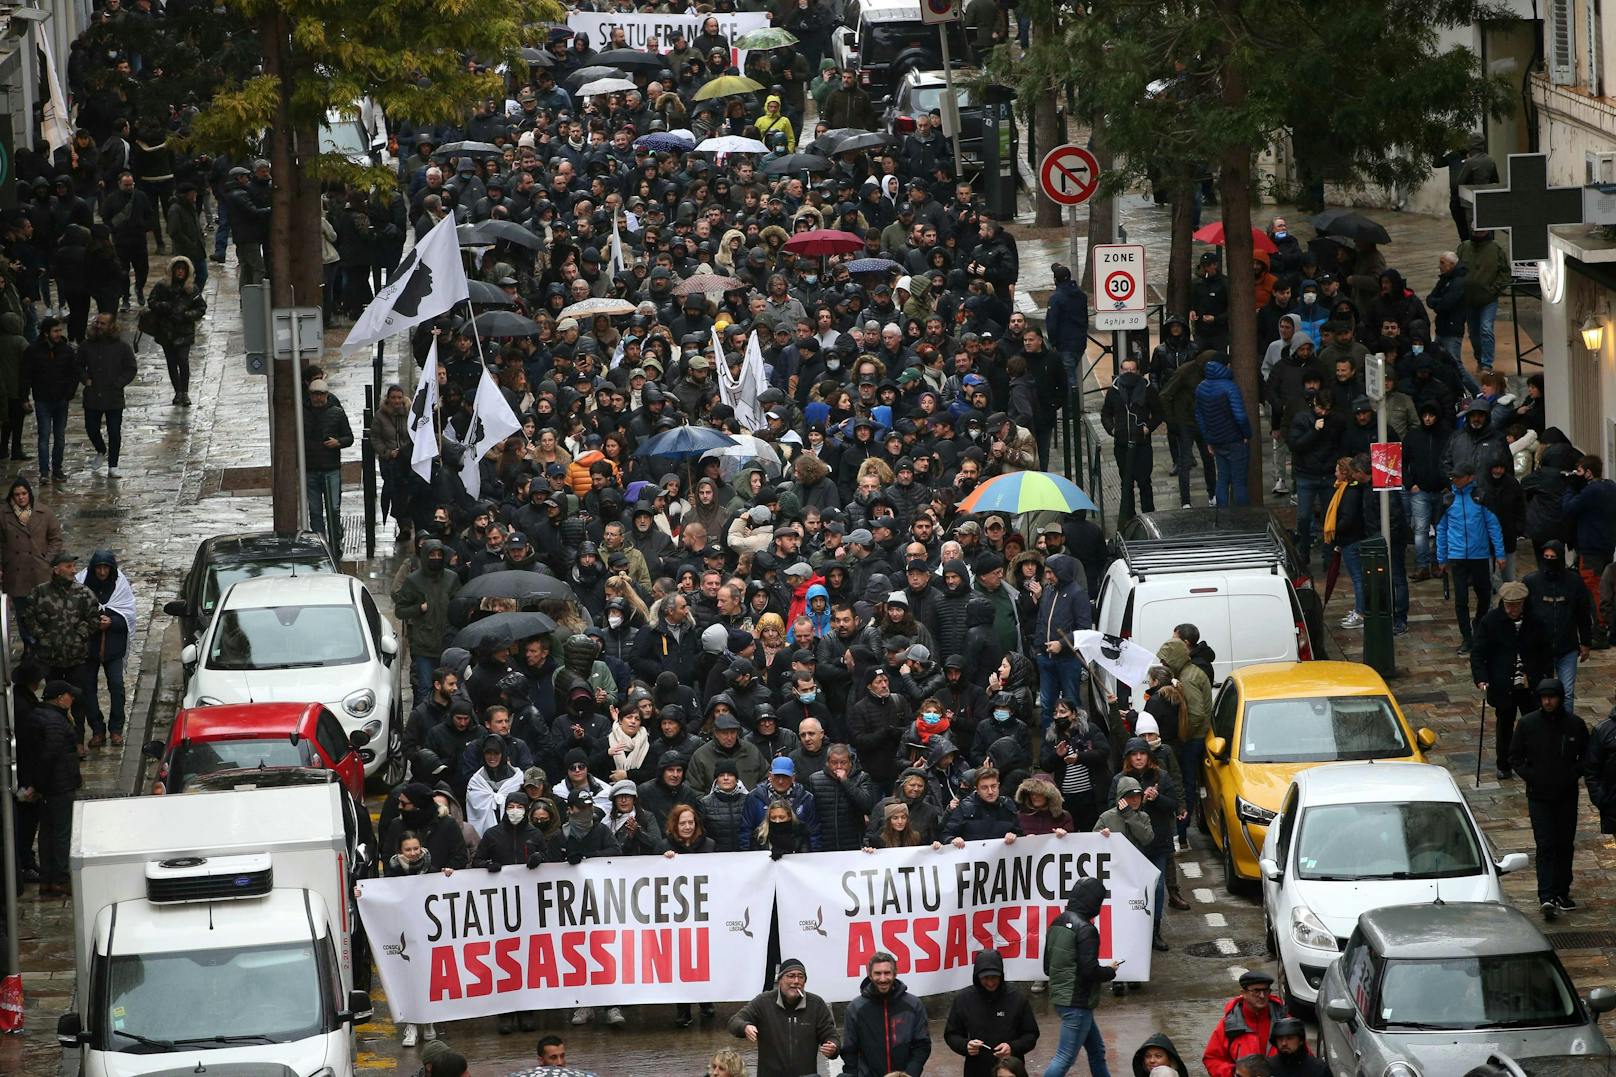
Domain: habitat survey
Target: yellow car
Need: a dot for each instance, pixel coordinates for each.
(1272, 720)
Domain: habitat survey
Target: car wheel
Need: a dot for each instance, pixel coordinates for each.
(1300, 1010)
(1270, 940)
(397, 767)
(1232, 882)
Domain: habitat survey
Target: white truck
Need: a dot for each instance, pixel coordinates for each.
(213, 928)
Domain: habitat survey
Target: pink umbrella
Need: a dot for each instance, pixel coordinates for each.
(823, 241)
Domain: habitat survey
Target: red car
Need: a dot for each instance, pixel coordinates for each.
(251, 736)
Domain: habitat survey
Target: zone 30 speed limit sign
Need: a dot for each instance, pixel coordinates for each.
(1119, 280)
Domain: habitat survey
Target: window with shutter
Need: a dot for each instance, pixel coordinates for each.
(1562, 64)
(1595, 81)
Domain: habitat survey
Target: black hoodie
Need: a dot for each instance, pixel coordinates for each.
(1002, 1015)
(507, 843)
(1557, 599)
(1158, 1040)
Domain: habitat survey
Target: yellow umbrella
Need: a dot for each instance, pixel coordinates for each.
(727, 86)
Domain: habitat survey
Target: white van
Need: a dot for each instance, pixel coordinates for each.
(1232, 587)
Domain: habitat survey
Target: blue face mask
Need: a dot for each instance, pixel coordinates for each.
(931, 718)
(1001, 716)
(1418, 349)
(1281, 234)
(808, 697)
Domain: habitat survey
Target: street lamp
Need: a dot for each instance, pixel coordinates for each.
(1593, 334)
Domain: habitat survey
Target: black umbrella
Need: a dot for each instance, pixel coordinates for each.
(538, 57)
(494, 231)
(468, 149)
(523, 587)
(796, 162)
(503, 628)
(1351, 225)
(630, 59)
(484, 294)
(859, 140)
(590, 74)
(505, 323)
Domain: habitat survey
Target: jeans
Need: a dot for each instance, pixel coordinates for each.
(221, 237)
(1078, 1030)
(1479, 323)
(201, 274)
(1059, 676)
(1467, 576)
(1185, 442)
(1163, 859)
(421, 667)
(325, 506)
(1554, 832)
(1565, 668)
(51, 418)
(113, 668)
(1422, 508)
(1454, 346)
(1233, 461)
(1190, 752)
(113, 444)
(1309, 489)
(55, 834)
(1352, 561)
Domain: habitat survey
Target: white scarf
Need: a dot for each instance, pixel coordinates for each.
(627, 752)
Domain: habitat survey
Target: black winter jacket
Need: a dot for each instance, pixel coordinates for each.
(876, 727)
(1547, 752)
(1558, 601)
(976, 820)
(1601, 772)
(994, 1017)
(885, 1033)
(844, 808)
(721, 818)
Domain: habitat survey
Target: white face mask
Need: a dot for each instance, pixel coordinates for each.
(515, 815)
(1310, 297)
(615, 620)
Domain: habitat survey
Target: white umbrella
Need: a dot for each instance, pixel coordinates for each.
(588, 308)
(1124, 659)
(731, 144)
(605, 86)
(747, 449)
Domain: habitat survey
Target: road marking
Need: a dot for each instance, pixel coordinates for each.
(1237, 971)
(1204, 895)
(1190, 869)
(1216, 919)
(1227, 947)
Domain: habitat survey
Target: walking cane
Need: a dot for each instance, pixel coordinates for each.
(1481, 740)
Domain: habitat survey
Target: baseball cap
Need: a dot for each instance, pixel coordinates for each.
(782, 765)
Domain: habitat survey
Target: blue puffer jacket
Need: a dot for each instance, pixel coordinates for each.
(1468, 530)
(1220, 410)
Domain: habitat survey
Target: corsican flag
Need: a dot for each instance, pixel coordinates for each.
(427, 282)
(423, 409)
(492, 421)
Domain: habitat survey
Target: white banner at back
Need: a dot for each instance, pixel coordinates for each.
(935, 911)
(608, 932)
(640, 29)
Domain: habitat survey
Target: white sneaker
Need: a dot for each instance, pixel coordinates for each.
(1186, 505)
(113, 473)
(614, 1016)
(1039, 987)
(582, 1015)
(1352, 620)
(429, 1032)
(407, 1039)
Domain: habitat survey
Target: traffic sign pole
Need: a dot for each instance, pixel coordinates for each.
(948, 84)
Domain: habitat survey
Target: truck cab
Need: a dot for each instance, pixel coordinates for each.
(883, 40)
(215, 923)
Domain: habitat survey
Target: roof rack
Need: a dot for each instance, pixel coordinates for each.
(1211, 551)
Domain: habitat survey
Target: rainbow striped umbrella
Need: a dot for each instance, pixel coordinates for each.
(1027, 491)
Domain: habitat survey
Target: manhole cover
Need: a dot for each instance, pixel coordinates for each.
(1582, 940)
(1227, 948)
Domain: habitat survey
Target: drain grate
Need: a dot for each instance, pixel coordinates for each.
(1582, 940)
(1241, 948)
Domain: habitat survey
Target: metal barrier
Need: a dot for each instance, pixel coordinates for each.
(1530, 289)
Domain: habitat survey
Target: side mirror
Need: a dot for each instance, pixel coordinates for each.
(1217, 748)
(177, 607)
(154, 749)
(1340, 1011)
(389, 645)
(70, 1030)
(1270, 869)
(360, 1010)
(188, 655)
(1426, 739)
(1511, 862)
(1602, 1000)
(358, 739)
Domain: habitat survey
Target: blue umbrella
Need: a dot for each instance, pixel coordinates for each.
(661, 140)
(872, 265)
(685, 442)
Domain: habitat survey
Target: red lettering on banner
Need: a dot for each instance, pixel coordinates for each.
(445, 979)
(656, 957)
(577, 973)
(695, 964)
(628, 956)
(982, 928)
(892, 932)
(606, 972)
(1009, 936)
(1103, 922)
(931, 958)
(860, 947)
(541, 963)
(954, 953)
(482, 980)
(505, 956)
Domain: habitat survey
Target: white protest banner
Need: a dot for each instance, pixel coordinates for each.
(608, 932)
(638, 30)
(934, 911)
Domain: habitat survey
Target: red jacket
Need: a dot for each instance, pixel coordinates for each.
(1237, 1036)
(799, 598)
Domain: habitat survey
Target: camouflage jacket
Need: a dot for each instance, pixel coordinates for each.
(62, 617)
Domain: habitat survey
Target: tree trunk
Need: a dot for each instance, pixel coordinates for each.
(286, 484)
(1178, 256)
(1102, 218)
(1048, 134)
(1235, 191)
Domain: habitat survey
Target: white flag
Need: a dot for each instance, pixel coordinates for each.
(58, 132)
(427, 282)
(423, 409)
(1124, 659)
(492, 421)
(618, 265)
(743, 392)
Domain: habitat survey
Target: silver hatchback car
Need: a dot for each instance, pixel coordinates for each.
(1433, 990)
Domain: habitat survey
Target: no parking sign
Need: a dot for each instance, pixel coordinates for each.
(1119, 275)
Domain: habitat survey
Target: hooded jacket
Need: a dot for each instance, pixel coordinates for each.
(1193, 681)
(1072, 949)
(506, 843)
(1002, 1015)
(1548, 749)
(1062, 609)
(1237, 1036)
(1220, 410)
(445, 842)
(1054, 815)
(876, 728)
(756, 808)
(1467, 531)
(1558, 601)
(1601, 771)
(1132, 409)
(117, 600)
(885, 1033)
(1160, 1040)
(1175, 350)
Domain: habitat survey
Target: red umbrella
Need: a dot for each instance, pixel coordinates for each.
(1213, 233)
(823, 241)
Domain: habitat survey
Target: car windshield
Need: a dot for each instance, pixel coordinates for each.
(343, 137)
(885, 40)
(249, 994)
(1507, 991)
(1419, 840)
(198, 757)
(285, 637)
(926, 98)
(221, 576)
(1321, 729)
